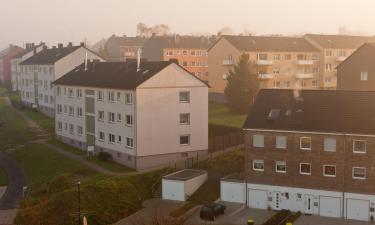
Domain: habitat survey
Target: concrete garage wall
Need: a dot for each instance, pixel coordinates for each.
(173, 190)
(357, 206)
(193, 184)
(231, 191)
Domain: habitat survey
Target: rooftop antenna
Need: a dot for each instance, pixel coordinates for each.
(86, 61)
(139, 52)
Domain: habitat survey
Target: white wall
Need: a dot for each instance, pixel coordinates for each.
(233, 191)
(192, 185)
(173, 190)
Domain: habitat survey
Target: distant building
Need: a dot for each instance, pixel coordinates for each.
(144, 116)
(189, 51)
(279, 62)
(40, 70)
(357, 72)
(333, 50)
(312, 151)
(5, 64)
(121, 48)
(18, 58)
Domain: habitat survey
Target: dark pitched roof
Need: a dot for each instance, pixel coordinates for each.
(9, 50)
(178, 41)
(314, 111)
(50, 56)
(114, 75)
(270, 43)
(27, 50)
(340, 41)
(367, 55)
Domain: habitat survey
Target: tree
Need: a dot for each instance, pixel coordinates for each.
(242, 86)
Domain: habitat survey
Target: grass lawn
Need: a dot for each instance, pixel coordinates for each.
(47, 123)
(219, 114)
(3, 177)
(13, 129)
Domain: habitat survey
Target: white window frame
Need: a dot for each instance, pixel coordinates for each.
(59, 125)
(187, 121)
(100, 96)
(325, 144)
(129, 140)
(70, 93)
(300, 143)
(131, 120)
(101, 138)
(359, 152)
(185, 135)
(79, 130)
(364, 76)
(255, 161)
(183, 100)
(358, 178)
(119, 117)
(280, 163)
(79, 112)
(128, 98)
(111, 96)
(329, 175)
(111, 117)
(254, 140)
(286, 142)
(101, 112)
(79, 93)
(304, 173)
(111, 138)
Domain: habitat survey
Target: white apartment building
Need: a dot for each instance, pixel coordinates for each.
(144, 116)
(40, 70)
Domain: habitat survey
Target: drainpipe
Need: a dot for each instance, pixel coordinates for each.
(343, 186)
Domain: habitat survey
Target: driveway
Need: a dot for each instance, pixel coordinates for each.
(6, 216)
(314, 220)
(235, 214)
(16, 182)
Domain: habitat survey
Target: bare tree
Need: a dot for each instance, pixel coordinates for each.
(226, 31)
(146, 31)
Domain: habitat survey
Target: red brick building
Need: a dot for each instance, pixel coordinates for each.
(5, 64)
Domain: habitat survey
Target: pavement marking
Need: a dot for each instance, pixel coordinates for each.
(238, 210)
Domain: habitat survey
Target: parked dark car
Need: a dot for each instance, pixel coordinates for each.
(211, 210)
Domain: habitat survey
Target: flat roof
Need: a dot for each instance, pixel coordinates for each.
(186, 174)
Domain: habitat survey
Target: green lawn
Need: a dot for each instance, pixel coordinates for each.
(13, 129)
(47, 123)
(3, 177)
(219, 114)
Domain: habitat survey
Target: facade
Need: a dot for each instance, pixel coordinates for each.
(280, 62)
(334, 49)
(40, 70)
(357, 72)
(189, 51)
(145, 116)
(16, 61)
(5, 64)
(121, 48)
(312, 151)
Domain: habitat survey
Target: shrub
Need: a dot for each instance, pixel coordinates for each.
(104, 156)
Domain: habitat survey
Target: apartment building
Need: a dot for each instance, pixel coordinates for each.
(334, 49)
(312, 151)
(5, 64)
(145, 114)
(16, 61)
(280, 62)
(357, 72)
(121, 48)
(189, 51)
(40, 70)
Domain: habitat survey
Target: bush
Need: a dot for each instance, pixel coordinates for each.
(104, 156)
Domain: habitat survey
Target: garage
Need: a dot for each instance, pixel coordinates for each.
(232, 191)
(330, 206)
(180, 185)
(357, 209)
(257, 199)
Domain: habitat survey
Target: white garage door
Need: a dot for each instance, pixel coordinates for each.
(232, 192)
(330, 206)
(357, 209)
(173, 190)
(258, 199)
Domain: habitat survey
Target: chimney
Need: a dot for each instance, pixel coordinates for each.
(60, 46)
(82, 44)
(27, 46)
(139, 52)
(70, 44)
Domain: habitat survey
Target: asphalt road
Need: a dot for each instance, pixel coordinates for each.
(16, 182)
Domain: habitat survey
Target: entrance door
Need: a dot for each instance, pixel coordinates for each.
(276, 200)
(309, 204)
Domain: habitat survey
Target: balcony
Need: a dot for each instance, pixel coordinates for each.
(305, 62)
(266, 76)
(228, 62)
(262, 62)
(341, 58)
(302, 76)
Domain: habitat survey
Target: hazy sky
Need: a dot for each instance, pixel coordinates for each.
(55, 21)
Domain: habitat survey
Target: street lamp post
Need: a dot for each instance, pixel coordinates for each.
(79, 201)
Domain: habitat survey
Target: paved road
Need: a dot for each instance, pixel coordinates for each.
(16, 182)
(315, 220)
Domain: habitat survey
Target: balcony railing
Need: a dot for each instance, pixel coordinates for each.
(264, 62)
(304, 76)
(305, 62)
(228, 62)
(266, 76)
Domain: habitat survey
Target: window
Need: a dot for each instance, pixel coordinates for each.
(364, 76)
(65, 109)
(79, 130)
(314, 83)
(66, 126)
(262, 56)
(111, 138)
(276, 84)
(111, 117)
(288, 57)
(280, 167)
(71, 128)
(359, 173)
(101, 136)
(118, 96)
(79, 112)
(70, 92)
(328, 53)
(315, 57)
(192, 52)
(359, 146)
(273, 114)
(287, 84)
(258, 165)
(258, 140)
(328, 67)
(185, 140)
(276, 57)
(305, 168)
(185, 118)
(59, 125)
(329, 144)
(169, 52)
(184, 52)
(71, 111)
(276, 70)
(342, 53)
(129, 142)
(129, 120)
(329, 171)
(100, 115)
(281, 142)
(119, 139)
(58, 90)
(184, 96)
(79, 93)
(192, 63)
(100, 96)
(59, 108)
(119, 117)
(128, 98)
(305, 143)
(184, 63)
(111, 96)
